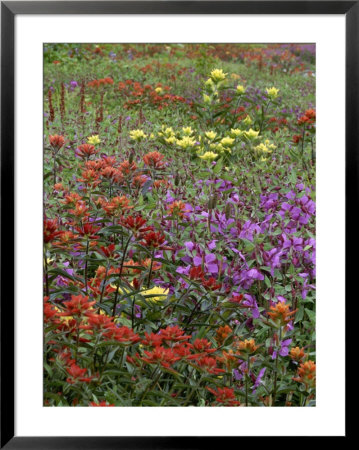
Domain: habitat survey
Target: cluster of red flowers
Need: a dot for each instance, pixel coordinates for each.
(77, 374)
(158, 96)
(281, 314)
(108, 169)
(171, 345)
(81, 310)
(197, 274)
(100, 82)
(224, 396)
(56, 141)
(306, 374)
(50, 230)
(86, 150)
(277, 123)
(154, 160)
(222, 333)
(308, 118)
(176, 208)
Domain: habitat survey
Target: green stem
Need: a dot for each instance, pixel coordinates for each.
(77, 341)
(87, 250)
(150, 386)
(276, 367)
(47, 291)
(151, 266)
(120, 274)
(104, 282)
(247, 377)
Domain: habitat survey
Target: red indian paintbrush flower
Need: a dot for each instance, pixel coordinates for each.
(109, 251)
(164, 356)
(124, 335)
(222, 334)
(306, 374)
(50, 230)
(77, 374)
(153, 239)
(102, 403)
(127, 169)
(203, 346)
(89, 230)
(99, 322)
(225, 396)
(177, 208)
(174, 334)
(56, 141)
(297, 354)
(78, 306)
(152, 340)
(280, 313)
(117, 206)
(86, 150)
(247, 346)
(209, 364)
(135, 223)
(154, 160)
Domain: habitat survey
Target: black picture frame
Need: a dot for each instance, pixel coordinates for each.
(9, 9)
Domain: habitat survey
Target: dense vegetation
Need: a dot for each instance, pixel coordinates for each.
(179, 225)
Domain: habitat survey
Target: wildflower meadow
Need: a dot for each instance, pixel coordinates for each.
(179, 225)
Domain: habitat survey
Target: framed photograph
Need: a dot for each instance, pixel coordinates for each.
(175, 179)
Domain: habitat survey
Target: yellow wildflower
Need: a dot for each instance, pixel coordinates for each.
(210, 135)
(170, 140)
(120, 289)
(209, 84)
(272, 93)
(206, 99)
(247, 121)
(269, 145)
(156, 294)
(236, 132)
(48, 261)
(218, 75)
(262, 148)
(240, 89)
(251, 134)
(221, 149)
(137, 135)
(93, 140)
(167, 132)
(209, 156)
(186, 142)
(187, 131)
(159, 90)
(227, 141)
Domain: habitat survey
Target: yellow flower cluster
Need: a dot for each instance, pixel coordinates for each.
(186, 142)
(93, 140)
(236, 132)
(251, 134)
(272, 93)
(210, 135)
(155, 295)
(208, 156)
(187, 131)
(265, 147)
(137, 135)
(240, 89)
(218, 75)
(247, 121)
